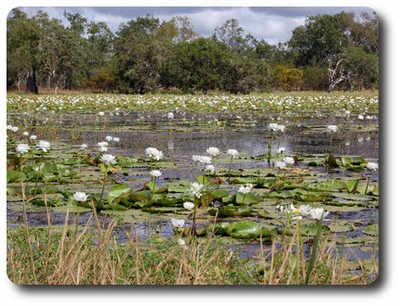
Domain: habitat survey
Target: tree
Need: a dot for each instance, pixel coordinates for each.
(320, 39)
(287, 78)
(23, 35)
(199, 65)
(139, 55)
(61, 52)
(233, 35)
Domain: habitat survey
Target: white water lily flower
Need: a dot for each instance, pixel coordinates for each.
(155, 173)
(101, 114)
(196, 189)
(317, 213)
(372, 166)
(103, 149)
(178, 223)
(25, 133)
(83, 146)
(102, 144)
(182, 243)
(109, 138)
(154, 153)
(32, 137)
(43, 145)
(188, 205)
(170, 115)
(286, 208)
(360, 117)
(14, 129)
(22, 148)
(313, 212)
(276, 127)
(280, 164)
(332, 128)
(116, 139)
(232, 152)
(80, 196)
(210, 168)
(280, 150)
(213, 151)
(289, 160)
(202, 159)
(108, 159)
(245, 189)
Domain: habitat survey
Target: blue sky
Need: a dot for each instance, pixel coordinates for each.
(274, 24)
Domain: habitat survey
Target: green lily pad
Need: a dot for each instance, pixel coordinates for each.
(371, 230)
(247, 199)
(116, 193)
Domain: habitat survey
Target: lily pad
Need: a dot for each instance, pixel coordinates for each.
(371, 230)
(116, 193)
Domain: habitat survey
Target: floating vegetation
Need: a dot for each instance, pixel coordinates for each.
(272, 173)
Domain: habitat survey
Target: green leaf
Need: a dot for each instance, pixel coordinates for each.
(117, 193)
(371, 230)
(247, 199)
(352, 186)
(13, 176)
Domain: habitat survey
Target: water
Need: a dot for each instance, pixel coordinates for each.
(192, 134)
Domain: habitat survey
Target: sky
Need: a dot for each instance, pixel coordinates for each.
(273, 24)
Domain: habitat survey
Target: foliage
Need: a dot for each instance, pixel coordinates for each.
(147, 55)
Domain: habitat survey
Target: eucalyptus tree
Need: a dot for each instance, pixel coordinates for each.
(139, 55)
(23, 36)
(61, 53)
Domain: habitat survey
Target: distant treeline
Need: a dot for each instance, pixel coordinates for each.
(148, 55)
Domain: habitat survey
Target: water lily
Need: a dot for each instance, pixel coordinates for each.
(32, 137)
(177, 223)
(101, 114)
(13, 129)
(80, 196)
(188, 205)
(280, 150)
(213, 151)
(372, 166)
(315, 213)
(245, 189)
(210, 168)
(170, 115)
(22, 148)
(155, 173)
(109, 138)
(280, 164)
(43, 145)
(154, 153)
(202, 159)
(182, 243)
(108, 159)
(276, 127)
(116, 139)
(196, 189)
(102, 144)
(83, 146)
(289, 160)
(332, 128)
(25, 133)
(232, 152)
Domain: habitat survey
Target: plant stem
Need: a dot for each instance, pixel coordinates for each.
(314, 250)
(104, 184)
(26, 227)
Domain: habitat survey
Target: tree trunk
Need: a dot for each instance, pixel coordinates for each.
(31, 83)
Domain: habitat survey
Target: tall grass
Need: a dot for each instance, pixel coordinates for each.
(93, 256)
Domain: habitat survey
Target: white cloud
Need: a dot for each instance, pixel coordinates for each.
(272, 24)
